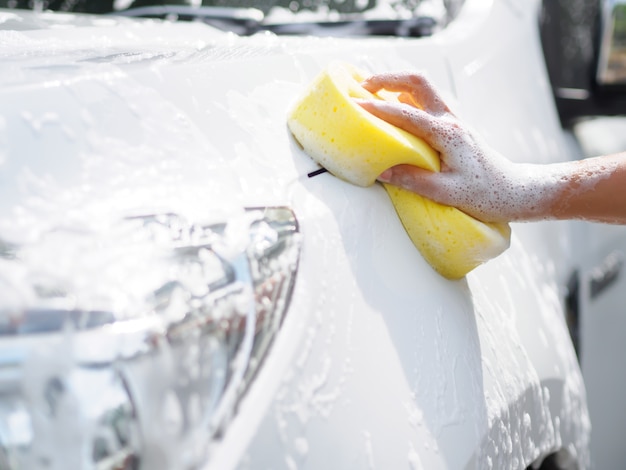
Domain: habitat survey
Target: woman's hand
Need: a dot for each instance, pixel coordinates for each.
(478, 180)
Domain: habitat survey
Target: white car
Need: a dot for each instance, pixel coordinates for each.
(181, 287)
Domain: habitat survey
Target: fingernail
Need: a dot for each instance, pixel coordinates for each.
(385, 176)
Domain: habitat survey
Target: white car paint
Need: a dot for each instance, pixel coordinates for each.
(602, 319)
(380, 362)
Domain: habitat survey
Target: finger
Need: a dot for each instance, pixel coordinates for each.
(417, 85)
(423, 182)
(411, 119)
(407, 98)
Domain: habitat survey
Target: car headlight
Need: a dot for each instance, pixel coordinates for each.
(132, 346)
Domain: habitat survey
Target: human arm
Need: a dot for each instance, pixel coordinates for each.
(481, 182)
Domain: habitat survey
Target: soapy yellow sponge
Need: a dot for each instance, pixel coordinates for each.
(356, 146)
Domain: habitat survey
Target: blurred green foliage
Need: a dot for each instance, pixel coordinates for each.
(619, 25)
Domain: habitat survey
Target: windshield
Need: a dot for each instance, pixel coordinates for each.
(423, 16)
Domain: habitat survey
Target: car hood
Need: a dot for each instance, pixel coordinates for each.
(74, 86)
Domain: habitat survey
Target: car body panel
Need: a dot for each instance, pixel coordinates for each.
(601, 286)
(380, 362)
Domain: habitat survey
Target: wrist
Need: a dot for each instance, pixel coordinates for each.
(536, 191)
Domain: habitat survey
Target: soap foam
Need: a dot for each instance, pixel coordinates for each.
(484, 184)
(357, 147)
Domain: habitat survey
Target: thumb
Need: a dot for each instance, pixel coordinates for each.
(418, 180)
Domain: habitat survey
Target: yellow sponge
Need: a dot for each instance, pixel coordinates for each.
(356, 146)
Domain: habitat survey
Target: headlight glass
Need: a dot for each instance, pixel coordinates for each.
(131, 347)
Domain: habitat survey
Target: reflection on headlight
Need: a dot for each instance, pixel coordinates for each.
(84, 387)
